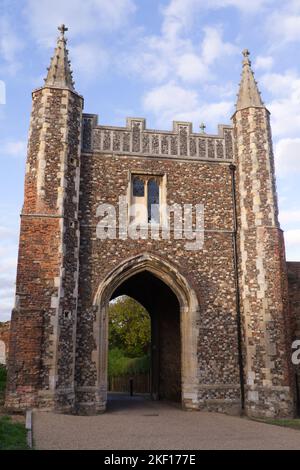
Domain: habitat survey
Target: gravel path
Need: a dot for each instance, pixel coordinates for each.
(136, 423)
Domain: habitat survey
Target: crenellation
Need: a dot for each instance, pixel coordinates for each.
(135, 138)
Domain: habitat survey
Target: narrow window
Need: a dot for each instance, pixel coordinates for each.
(153, 201)
(138, 187)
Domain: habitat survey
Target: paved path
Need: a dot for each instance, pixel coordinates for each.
(136, 423)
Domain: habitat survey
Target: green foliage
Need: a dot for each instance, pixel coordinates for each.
(129, 327)
(288, 423)
(119, 364)
(12, 435)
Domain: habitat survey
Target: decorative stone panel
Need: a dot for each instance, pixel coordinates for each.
(137, 140)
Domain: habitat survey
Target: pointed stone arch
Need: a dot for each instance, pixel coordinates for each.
(189, 321)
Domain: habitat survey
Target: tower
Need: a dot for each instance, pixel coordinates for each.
(262, 269)
(43, 326)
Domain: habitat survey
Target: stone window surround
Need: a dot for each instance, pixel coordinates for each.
(148, 175)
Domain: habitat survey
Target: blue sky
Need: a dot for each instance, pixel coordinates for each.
(159, 59)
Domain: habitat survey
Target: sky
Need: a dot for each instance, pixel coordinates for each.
(160, 59)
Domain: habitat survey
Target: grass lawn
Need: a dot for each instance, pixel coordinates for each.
(12, 435)
(288, 423)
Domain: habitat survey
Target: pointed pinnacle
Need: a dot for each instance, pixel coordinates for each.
(59, 72)
(248, 95)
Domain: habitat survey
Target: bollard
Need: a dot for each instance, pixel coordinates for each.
(131, 387)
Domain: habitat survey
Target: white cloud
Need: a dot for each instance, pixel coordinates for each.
(8, 256)
(89, 59)
(172, 102)
(16, 149)
(264, 62)
(287, 156)
(191, 68)
(214, 47)
(244, 5)
(170, 99)
(292, 244)
(88, 22)
(173, 54)
(289, 216)
(285, 116)
(284, 27)
(82, 17)
(285, 102)
(7, 301)
(183, 13)
(283, 24)
(281, 84)
(10, 46)
(293, 237)
(5, 232)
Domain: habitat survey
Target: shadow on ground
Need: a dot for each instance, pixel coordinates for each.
(141, 404)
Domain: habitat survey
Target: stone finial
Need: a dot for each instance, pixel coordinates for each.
(62, 28)
(59, 72)
(249, 95)
(202, 127)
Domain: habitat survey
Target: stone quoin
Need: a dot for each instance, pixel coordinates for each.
(222, 327)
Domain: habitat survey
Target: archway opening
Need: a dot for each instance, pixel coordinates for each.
(175, 318)
(129, 348)
(163, 307)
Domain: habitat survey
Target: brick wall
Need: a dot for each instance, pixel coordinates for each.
(44, 317)
(210, 270)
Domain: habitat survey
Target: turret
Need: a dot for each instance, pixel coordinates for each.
(42, 355)
(262, 271)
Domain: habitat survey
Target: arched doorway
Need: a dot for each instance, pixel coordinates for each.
(174, 310)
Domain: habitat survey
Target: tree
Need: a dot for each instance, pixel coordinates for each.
(129, 327)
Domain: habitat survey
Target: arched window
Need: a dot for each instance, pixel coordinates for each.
(138, 187)
(147, 196)
(153, 201)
